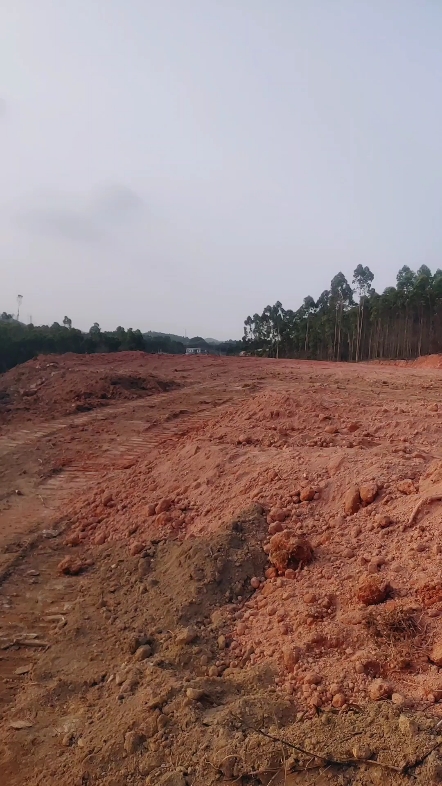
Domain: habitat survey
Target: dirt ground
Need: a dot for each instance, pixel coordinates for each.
(220, 570)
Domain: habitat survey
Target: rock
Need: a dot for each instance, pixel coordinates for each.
(136, 641)
(408, 725)
(136, 548)
(377, 776)
(331, 430)
(150, 510)
(312, 678)
(171, 779)
(100, 539)
(436, 653)
(186, 636)
(23, 670)
(162, 721)
(20, 724)
(217, 617)
(72, 566)
(278, 514)
(255, 582)
(289, 551)
(106, 498)
(164, 505)
(379, 689)
(275, 527)
(406, 486)
(307, 494)
(362, 752)
(163, 519)
(149, 763)
(352, 501)
(398, 699)
(373, 590)
(132, 741)
(150, 727)
(352, 427)
(222, 642)
(290, 657)
(74, 539)
(338, 700)
(142, 568)
(129, 686)
(158, 700)
(143, 652)
(383, 521)
(368, 492)
(195, 694)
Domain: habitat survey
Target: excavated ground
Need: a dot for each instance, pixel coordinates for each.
(231, 573)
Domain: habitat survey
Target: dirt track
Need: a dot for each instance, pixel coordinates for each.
(158, 661)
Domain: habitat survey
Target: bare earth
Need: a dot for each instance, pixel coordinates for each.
(220, 570)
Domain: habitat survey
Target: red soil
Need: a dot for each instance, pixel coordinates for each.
(62, 385)
(346, 603)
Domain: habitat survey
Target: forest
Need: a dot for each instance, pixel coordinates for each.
(348, 322)
(19, 342)
(352, 322)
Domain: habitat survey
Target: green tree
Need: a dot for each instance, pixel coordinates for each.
(362, 280)
(341, 297)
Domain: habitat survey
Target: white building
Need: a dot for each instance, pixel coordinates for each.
(196, 351)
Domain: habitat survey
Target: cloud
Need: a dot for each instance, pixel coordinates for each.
(117, 202)
(87, 219)
(66, 224)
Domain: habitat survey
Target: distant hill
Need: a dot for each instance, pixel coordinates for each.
(172, 336)
(183, 339)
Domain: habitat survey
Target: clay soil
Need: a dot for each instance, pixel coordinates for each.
(220, 570)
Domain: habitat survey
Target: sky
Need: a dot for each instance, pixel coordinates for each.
(178, 165)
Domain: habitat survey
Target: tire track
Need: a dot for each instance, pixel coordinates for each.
(109, 461)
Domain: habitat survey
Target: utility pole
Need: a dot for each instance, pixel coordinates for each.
(19, 300)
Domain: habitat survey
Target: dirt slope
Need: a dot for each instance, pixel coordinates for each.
(54, 385)
(252, 557)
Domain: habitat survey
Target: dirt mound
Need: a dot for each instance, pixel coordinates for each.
(299, 458)
(428, 361)
(139, 681)
(151, 643)
(57, 385)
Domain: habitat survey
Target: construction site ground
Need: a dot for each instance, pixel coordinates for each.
(220, 570)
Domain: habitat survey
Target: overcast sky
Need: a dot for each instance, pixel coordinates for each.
(179, 164)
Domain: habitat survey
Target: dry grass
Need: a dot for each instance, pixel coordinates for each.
(394, 622)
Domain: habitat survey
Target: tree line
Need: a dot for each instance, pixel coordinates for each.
(19, 343)
(354, 322)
